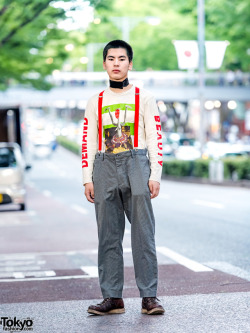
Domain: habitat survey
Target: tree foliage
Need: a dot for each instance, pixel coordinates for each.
(153, 45)
(31, 44)
(230, 20)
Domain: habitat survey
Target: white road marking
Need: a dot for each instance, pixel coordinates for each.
(12, 223)
(17, 256)
(26, 276)
(47, 278)
(63, 174)
(20, 268)
(47, 193)
(208, 204)
(191, 264)
(92, 271)
(229, 269)
(80, 209)
(21, 256)
(31, 213)
(30, 184)
(16, 263)
(164, 196)
(18, 275)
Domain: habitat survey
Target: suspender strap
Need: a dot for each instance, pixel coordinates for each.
(136, 125)
(100, 121)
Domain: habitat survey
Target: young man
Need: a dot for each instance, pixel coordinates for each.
(121, 125)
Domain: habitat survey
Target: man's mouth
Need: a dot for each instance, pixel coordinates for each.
(116, 71)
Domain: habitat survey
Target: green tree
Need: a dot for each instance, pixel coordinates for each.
(230, 20)
(153, 45)
(225, 20)
(31, 44)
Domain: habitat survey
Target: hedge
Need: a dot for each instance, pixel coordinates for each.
(68, 144)
(234, 168)
(239, 166)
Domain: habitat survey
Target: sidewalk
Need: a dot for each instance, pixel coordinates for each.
(222, 313)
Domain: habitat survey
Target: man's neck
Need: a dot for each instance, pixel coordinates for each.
(119, 91)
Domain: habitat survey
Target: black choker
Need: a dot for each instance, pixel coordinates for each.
(119, 84)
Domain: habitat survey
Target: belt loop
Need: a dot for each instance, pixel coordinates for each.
(103, 156)
(132, 152)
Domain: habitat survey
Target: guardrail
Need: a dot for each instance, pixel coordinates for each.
(153, 78)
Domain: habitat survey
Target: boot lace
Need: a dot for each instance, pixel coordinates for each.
(104, 301)
(152, 300)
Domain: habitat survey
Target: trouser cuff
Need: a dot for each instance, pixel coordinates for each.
(112, 294)
(148, 293)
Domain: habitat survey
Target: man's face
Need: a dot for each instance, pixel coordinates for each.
(117, 64)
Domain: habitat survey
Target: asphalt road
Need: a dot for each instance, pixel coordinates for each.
(48, 257)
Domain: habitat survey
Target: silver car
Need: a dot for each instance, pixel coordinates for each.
(12, 168)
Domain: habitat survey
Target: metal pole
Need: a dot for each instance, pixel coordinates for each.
(201, 45)
(90, 56)
(125, 28)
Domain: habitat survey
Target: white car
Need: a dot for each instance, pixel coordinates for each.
(12, 168)
(187, 153)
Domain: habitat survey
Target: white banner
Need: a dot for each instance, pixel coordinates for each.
(215, 51)
(187, 53)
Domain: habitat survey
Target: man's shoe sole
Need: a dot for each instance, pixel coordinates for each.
(153, 311)
(114, 311)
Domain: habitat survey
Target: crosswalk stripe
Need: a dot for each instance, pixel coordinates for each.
(191, 264)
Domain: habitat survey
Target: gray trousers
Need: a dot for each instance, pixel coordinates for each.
(121, 185)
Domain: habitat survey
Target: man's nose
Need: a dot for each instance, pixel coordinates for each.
(116, 62)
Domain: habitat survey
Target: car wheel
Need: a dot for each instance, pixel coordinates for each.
(22, 206)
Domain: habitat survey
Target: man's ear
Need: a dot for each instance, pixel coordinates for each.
(130, 67)
(104, 65)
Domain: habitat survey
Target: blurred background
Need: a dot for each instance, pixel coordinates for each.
(194, 57)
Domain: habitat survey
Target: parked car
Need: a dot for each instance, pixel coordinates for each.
(12, 168)
(187, 153)
(218, 150)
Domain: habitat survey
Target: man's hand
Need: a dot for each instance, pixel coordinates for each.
(154, 188)
(89, 192)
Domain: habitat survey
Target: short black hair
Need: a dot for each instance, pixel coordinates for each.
(115, 44)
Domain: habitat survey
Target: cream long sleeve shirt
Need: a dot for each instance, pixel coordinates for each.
(118, 113)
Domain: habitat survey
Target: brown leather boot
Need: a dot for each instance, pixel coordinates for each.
(151, 306)
(108, 306)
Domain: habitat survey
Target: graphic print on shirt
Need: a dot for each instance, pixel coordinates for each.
(118, 134)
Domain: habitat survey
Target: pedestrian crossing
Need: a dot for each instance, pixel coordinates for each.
(83, 265)
(46, 265)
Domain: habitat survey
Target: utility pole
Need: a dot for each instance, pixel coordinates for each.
(126, 24)
(92, 48)
(201, 45)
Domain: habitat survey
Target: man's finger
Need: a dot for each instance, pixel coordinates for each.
(153, 193)
(154, 190)
(89, 196)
